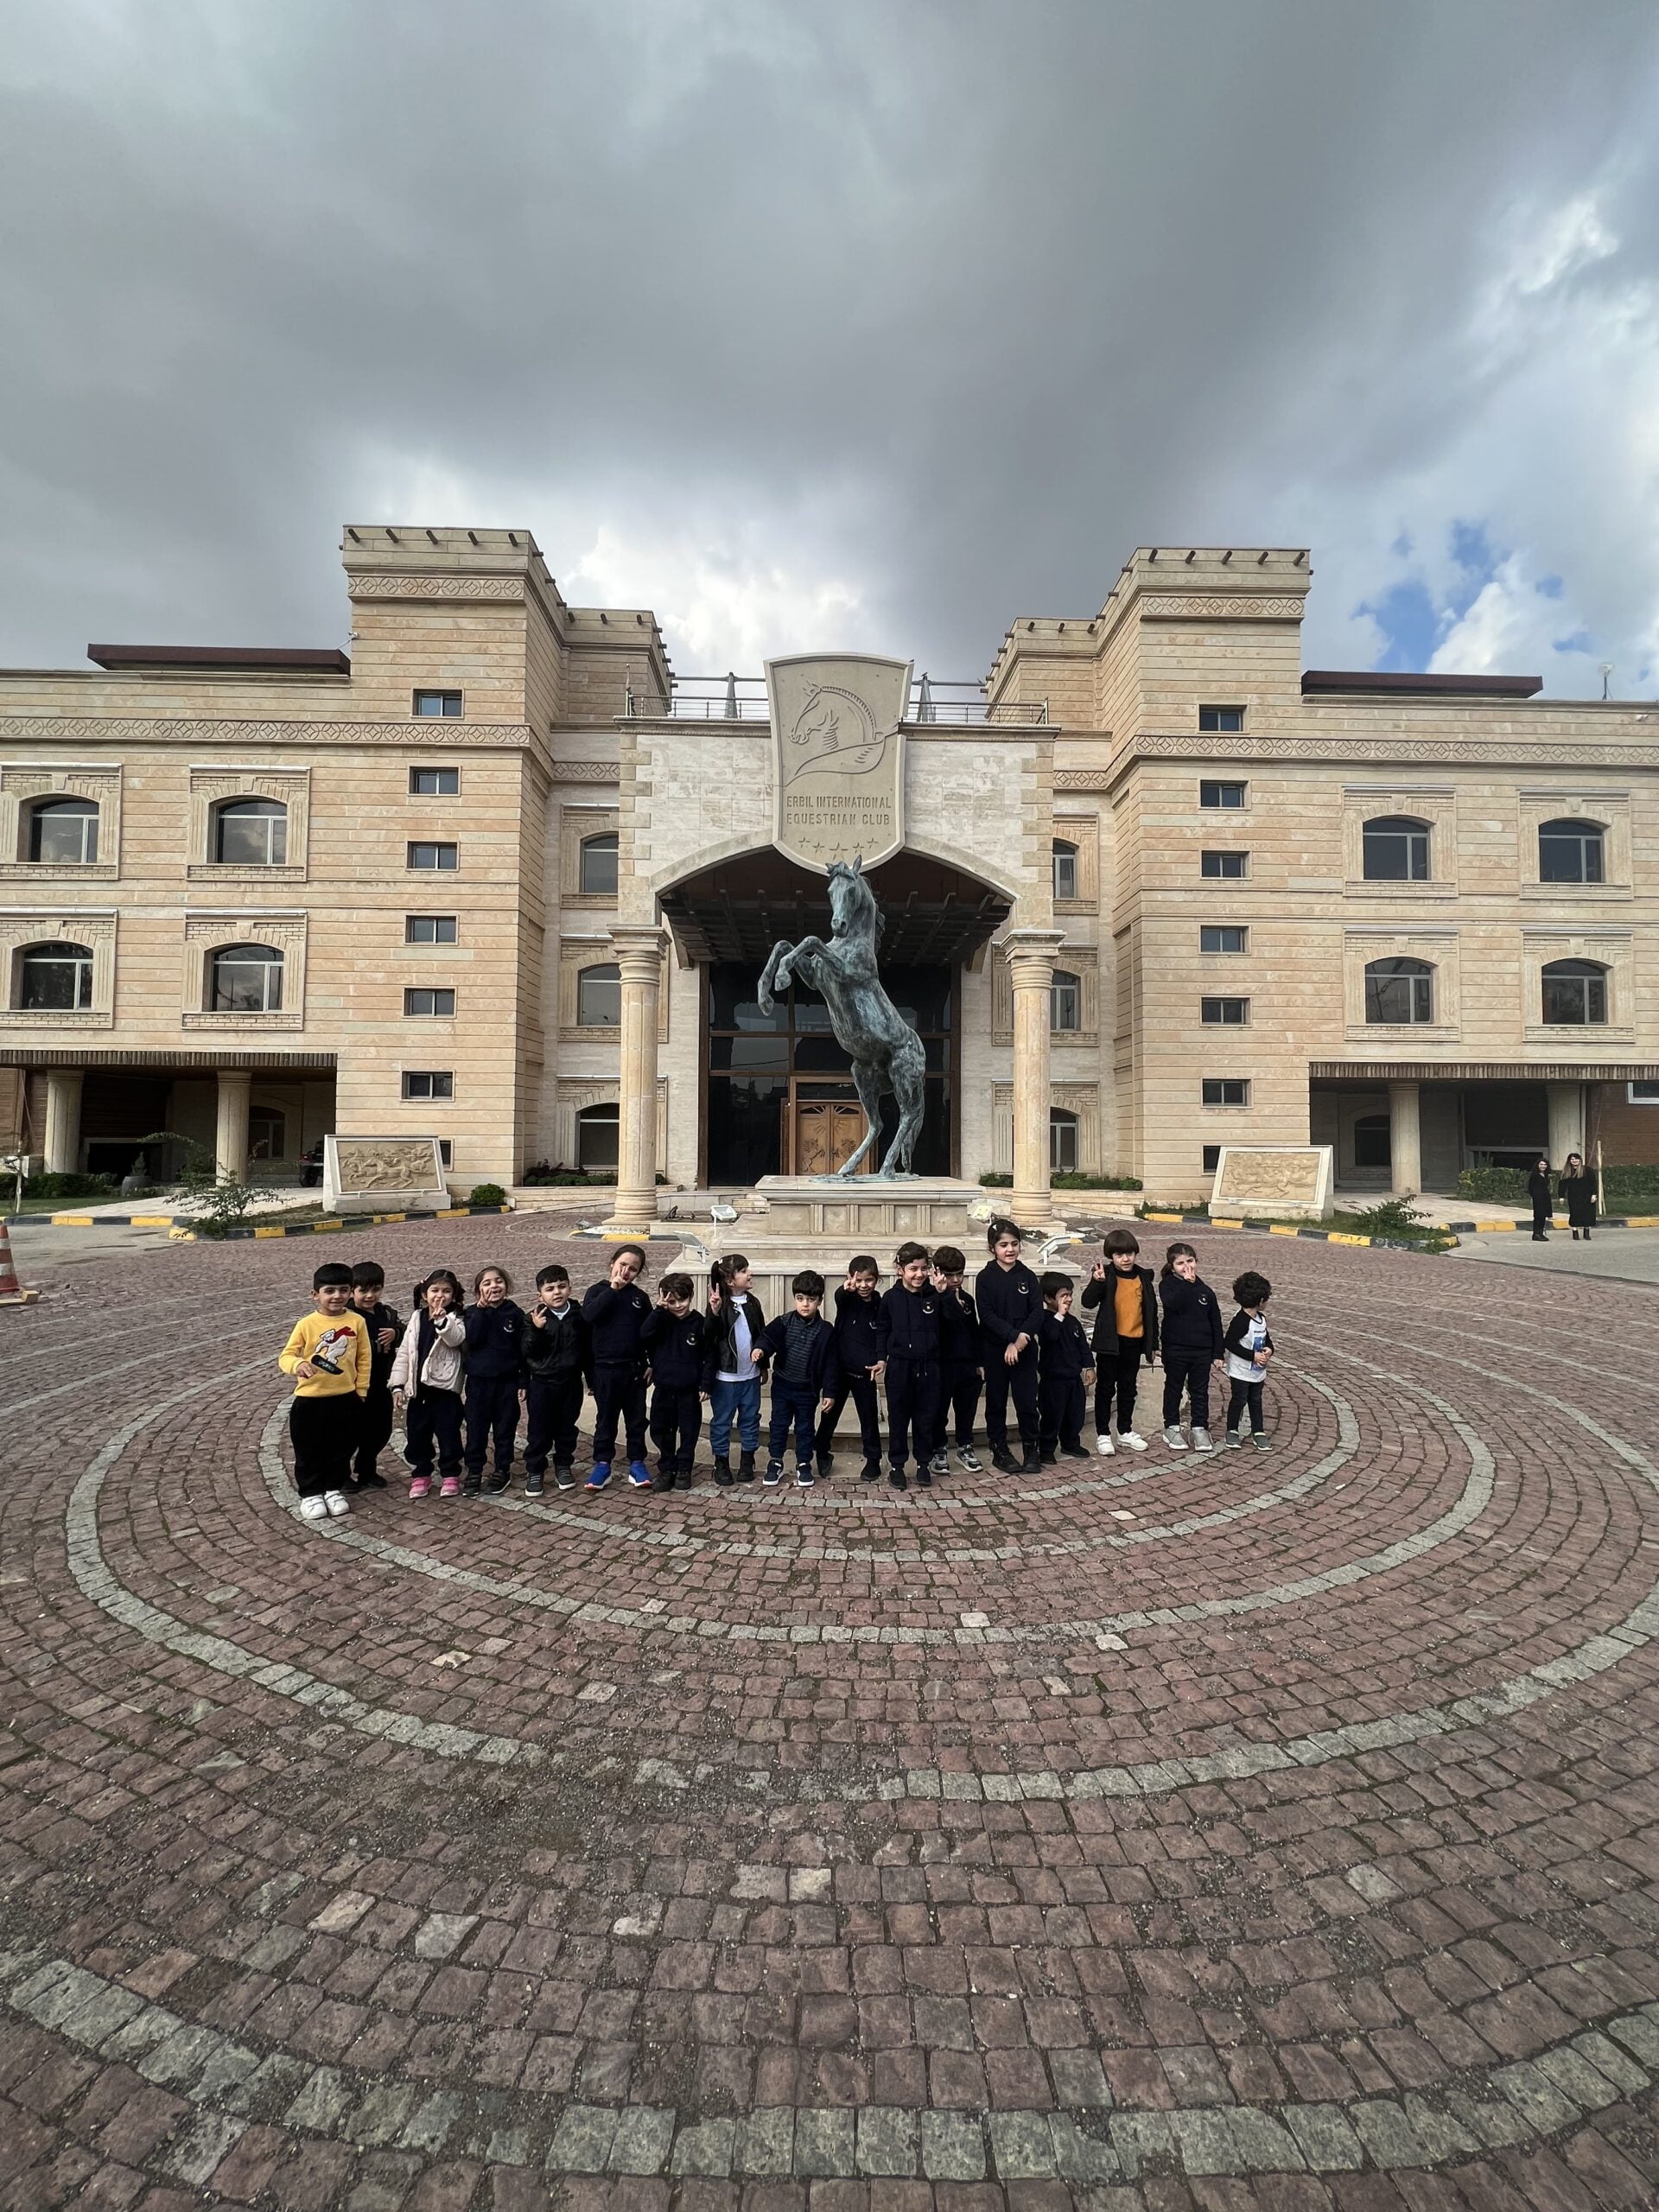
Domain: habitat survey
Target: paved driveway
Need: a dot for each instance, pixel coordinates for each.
(1623, 1255)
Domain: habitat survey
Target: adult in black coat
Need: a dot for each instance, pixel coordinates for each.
(1581, 1188)
(1538, 1191)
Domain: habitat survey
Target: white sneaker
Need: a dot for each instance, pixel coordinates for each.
(1130, 1441)
(1201, 1440)
(337, 1502)
(1175, 1441)
(1103, 1446)
(313, 1509)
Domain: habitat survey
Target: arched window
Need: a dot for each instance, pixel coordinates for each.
(1570, 851)
(1062, 1141)
(54, 978)
(246, 979)
(599, 997)
(597, 1139)
(1065, 1000)
(1371, 1147)
(1399, 991)
(1396, 849)
(1575, 992)
(1065, 868)
(250, 833)
(599, 866)
(64, 831)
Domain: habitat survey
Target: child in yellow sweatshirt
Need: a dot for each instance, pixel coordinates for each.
(329, 1355)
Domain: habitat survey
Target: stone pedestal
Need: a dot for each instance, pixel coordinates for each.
(874, 1215)
(1283, 1182)
(639, 957)
(383, 1175)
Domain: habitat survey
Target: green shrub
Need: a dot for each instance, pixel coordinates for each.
(1503, 1186)
(1634, 1189)
(61, 1185)
(486, 1194)
(1068, 1179)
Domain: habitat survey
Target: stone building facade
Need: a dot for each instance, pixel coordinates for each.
(494, 874)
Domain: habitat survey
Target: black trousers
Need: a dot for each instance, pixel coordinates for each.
(959, 1390)
(618, 1395)
(913, 1387)
(1003, 1382)
(675, 1423)
(1061, 1400)
(374, 1431)
(867, 1399)
(432, 1420)
(1191, 1368)
(1241, 1395)
(1116, 1375)
(552, 1403)
(491, 1419)
(1541, 1211)
(793, 1406)
(323, 1432)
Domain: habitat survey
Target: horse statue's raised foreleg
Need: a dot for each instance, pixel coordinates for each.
(787, 961)
(907, 1071)
(866, 1080)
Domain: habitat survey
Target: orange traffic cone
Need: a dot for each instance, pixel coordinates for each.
(11, 1291)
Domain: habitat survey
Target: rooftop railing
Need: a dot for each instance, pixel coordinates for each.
(743, 699)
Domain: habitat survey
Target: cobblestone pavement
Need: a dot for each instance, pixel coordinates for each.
(1275, 1832)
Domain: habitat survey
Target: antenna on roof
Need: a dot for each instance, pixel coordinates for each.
(1606, 677)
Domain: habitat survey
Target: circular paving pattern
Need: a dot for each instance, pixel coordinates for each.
(1275, 1830)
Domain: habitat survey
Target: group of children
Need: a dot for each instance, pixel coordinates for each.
(460, 1374)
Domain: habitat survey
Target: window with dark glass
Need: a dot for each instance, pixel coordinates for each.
(429, 1083)
(1065, 868)
(1228, 798)
(250, 833)
(63, 832)
(435, 782)
(1571, 851)
(1062, 1141)
(444, 703)
(1065, 1000)
(246, 979)
(429, 929)
(598, 1140)
(1221, 718)
(420, 1001)
(1396, 849)
(1372, 1141)
(1222, 936)
(426, 855)
(1211, 1158)
(1226, 867)
(1226, 1091)
(599, 997)
(598, 876)
(1399, 991)
(1227, 1014)
(1575, 993)
(55, 977)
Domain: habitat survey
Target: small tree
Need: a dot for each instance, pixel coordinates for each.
(220, 1201)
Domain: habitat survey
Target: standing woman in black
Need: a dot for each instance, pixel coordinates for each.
(1538, 1191)
(1582, 1189)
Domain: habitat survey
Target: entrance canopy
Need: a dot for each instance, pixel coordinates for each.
(935, 914)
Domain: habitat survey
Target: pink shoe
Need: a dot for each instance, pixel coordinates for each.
(420, 1486)
(450, 1486)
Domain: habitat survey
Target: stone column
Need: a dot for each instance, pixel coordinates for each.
(1031, 969)
(1405, 1139)
(62, 1133)
(1566, 1121)
(231, 1136)
(639, 957)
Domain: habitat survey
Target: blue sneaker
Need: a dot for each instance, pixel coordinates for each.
(600, 1475)
(639, 1475)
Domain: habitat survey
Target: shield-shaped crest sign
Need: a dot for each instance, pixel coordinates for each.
(837, 756)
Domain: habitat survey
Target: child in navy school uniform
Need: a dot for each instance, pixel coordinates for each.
(1192, 1345)
(962, 1372)
(616, 1313)
(913, 1372)
(1066, 1366)
(495, 1379)
(861, 1327)
(1010, 1312)
(676, 1342)
(805, 1374)
(558, 1367)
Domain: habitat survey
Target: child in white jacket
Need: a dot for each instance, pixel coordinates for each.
(426, 1380)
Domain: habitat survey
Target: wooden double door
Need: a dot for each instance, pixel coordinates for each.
(823, 1124)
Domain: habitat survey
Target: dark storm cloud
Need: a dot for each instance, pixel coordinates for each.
(886, 323)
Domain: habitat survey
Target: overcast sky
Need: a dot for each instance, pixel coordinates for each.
(816, 323)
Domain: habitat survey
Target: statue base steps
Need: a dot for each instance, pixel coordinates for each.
(870, 1214)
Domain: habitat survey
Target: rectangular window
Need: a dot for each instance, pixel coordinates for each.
(1227, 867)
(429, 929)
(1645, 1094)
(433, 783)
(1221, 718)
(419, 999)
(1211, 1157)
(429, 1083)
(1226, 1091)
(429, 856)
(1222, 936)
(1227, 797)
(1226, 1014)
(444, 703)
(446, 1153)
